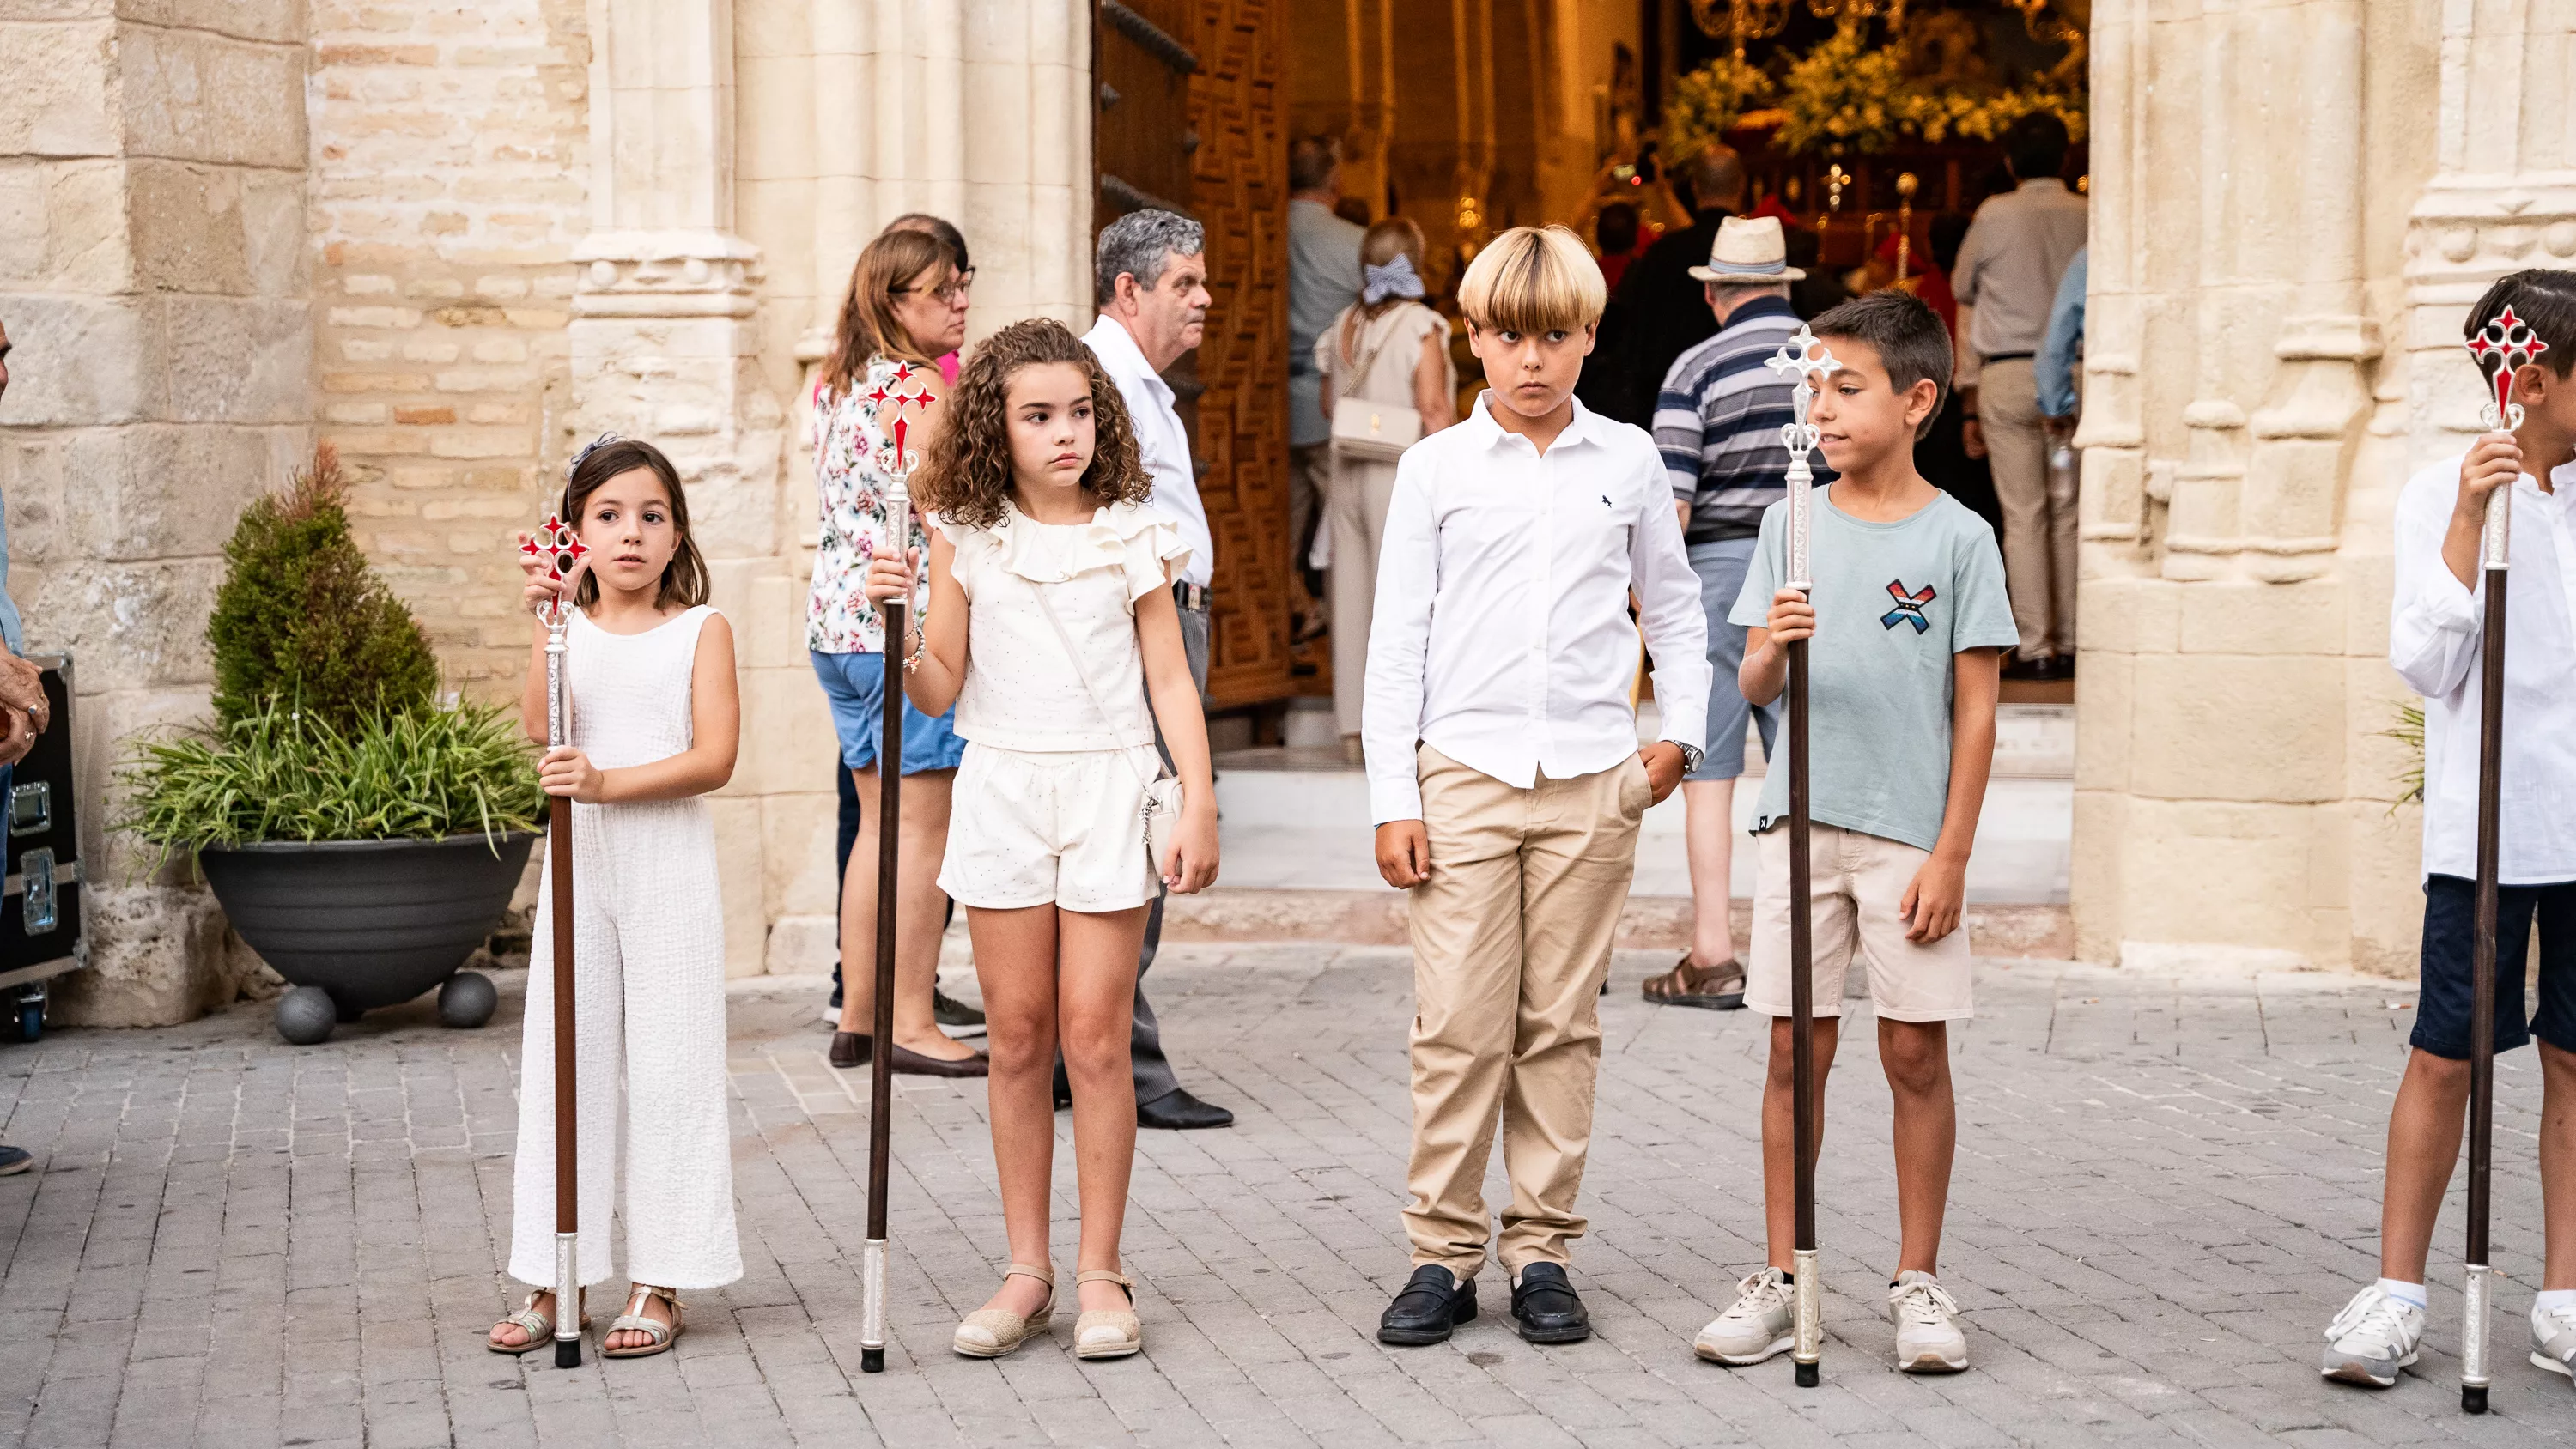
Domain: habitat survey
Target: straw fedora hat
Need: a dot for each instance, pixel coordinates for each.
(1750, 251)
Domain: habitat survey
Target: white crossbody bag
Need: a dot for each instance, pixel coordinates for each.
(1162, 807)
(1374, 432)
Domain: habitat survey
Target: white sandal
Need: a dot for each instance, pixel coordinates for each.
(633, 1321)
(993, 1332)
(1107, 1332)
(540, 1327)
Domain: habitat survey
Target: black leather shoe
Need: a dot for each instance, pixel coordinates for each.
(1545, 1306)
(1431, 1303)
(1178, 1110)
(1063, 1089)
(849, 1049)
(949, 1011)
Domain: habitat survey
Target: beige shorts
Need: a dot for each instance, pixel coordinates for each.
(1856, 883)
(1029, 829)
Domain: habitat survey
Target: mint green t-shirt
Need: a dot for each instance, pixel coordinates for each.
(1894, 602)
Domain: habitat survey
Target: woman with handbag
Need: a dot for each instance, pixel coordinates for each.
(1388, 382)
(1051, 625)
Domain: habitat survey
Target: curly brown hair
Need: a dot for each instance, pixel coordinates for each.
(965, 473)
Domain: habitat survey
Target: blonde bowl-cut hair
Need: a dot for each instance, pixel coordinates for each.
(868, 327)
(1533, 279)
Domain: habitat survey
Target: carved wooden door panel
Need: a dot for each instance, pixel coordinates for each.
(1191, 109)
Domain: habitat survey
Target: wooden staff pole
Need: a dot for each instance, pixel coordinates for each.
(562, 550)
(2501, 347)
(1807, 358)
(905, 390)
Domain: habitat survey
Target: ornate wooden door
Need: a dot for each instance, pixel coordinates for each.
(1191, 108)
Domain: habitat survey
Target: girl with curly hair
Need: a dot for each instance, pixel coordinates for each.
(1051, 626)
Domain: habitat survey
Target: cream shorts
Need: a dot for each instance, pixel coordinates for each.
(1061, 829)
(1856, 883)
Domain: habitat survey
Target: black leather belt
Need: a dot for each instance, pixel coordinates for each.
(1994, 357)
(1190, 596)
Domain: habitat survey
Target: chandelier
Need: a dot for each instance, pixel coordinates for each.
(1742, 21)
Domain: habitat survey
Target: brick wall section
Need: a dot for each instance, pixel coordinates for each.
(449, 153)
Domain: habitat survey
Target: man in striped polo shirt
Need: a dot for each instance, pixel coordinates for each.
(1717, 423)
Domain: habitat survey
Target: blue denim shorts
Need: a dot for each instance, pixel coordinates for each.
(2442, 1014)
(855, 686)
(1721, 566)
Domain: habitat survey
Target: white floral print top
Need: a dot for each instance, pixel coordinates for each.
(852, 456)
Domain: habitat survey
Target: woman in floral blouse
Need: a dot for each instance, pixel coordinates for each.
(906, 307)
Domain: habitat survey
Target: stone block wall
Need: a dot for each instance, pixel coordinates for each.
(154, 278)
(448, 178)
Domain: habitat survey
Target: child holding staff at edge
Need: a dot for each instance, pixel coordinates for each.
(1051, 621)
(1908, 622)
(1505, 776)
(2436, 634)
(656, 719)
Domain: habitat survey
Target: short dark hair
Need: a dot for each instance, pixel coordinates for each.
(1616, 228)
(2036, 146)
(1311, 160)
(2543, 300)
(1908, 337)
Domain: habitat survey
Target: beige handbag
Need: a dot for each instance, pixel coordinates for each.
(1374, 432)
(1162, 807)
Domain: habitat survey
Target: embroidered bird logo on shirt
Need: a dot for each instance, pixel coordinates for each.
(1909, 607)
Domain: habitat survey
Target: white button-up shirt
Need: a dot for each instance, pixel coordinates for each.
(1162, 439)
(1501, 635)
(2436, 628)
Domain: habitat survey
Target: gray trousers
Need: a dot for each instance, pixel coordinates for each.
(1154, 1076)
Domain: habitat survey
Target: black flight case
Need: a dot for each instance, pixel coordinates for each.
(40, 901)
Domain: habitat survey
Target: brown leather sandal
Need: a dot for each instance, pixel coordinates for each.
(1715, 988)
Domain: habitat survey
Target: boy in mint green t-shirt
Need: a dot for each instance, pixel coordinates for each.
(1909, 588)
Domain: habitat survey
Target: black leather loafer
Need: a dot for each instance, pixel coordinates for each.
(1432, 1303)
(1546, 1307)
(1179, 1111)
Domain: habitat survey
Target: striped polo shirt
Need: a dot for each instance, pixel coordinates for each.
(1718, 419)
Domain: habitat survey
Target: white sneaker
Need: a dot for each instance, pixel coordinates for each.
(2553, 1340)
(1757, 1326)
(2373, 1338)
(1928, 1340)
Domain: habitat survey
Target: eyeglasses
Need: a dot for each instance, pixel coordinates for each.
(946, 292)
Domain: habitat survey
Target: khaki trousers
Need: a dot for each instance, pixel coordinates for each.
(1511, 936)
(2039, 518)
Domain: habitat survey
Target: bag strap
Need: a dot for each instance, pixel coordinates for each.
(1084, 674)
(1361, 370)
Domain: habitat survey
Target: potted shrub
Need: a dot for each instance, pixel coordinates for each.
(363, 838)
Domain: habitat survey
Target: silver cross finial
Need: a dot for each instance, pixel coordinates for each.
(1804, 360)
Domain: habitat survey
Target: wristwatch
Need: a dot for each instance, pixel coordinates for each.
(1691, 755)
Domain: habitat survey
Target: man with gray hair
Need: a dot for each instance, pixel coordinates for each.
(1150, 281)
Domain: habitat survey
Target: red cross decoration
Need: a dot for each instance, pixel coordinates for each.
(562, 551)
(919, 395)
(2500, 349)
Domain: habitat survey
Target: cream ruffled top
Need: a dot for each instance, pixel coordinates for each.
(1021, 691)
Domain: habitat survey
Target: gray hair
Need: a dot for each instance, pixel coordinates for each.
(1140, 244)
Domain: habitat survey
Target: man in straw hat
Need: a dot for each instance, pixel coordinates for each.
(1717, 425)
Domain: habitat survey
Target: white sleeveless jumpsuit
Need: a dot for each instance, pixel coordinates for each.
(648, 967)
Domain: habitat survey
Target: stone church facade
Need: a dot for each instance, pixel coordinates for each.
(455, 239)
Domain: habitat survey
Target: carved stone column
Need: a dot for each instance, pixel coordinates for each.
(663, 341)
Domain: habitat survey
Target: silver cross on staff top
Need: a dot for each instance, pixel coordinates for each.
(1810, 360)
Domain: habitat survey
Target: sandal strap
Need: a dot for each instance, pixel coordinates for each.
(638, 1323)
(1043, 1272)
(535, 1324)
(1106, 1275)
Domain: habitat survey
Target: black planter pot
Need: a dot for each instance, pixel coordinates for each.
(371, 922)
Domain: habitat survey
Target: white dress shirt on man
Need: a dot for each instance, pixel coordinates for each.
(2436, 631)
(1164, 442)
(1501, 636)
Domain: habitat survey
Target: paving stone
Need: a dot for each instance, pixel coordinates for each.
(2164, 1187)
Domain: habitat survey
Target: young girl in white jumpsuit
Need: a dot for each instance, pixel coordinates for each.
(655, 721)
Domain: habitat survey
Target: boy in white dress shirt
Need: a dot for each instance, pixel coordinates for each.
(2435, 641)
(1505, 776)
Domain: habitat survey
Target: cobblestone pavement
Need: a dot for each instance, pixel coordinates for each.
(2164, 1187)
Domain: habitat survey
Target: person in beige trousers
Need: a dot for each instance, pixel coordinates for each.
(1386, 348)
(1505, 774)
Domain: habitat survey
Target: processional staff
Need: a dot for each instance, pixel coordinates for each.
(563, 553)
(2503, 347)
(906, 389)
(1809, 360)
